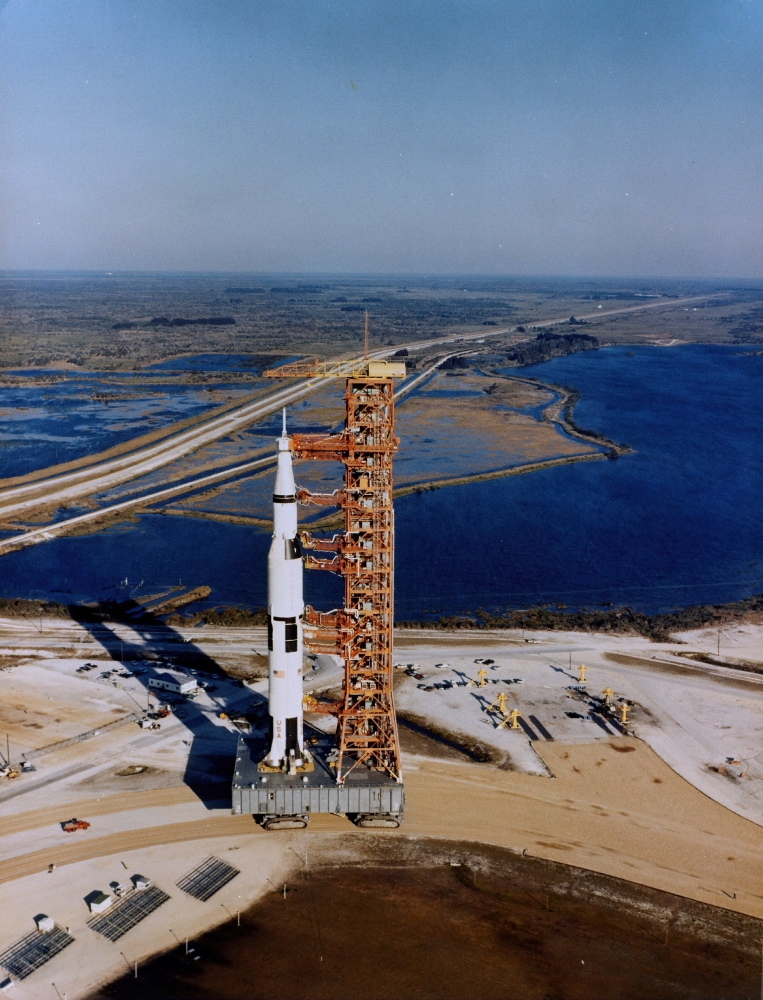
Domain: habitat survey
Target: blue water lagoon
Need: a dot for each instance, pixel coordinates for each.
(677, 522)
(81, 413)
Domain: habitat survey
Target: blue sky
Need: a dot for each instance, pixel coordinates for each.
(564, 137)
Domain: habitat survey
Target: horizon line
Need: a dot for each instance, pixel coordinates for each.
(376, 275)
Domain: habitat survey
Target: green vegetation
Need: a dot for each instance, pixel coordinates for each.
(550, 345)
(623, 621)
(617, 621)
(126, 321)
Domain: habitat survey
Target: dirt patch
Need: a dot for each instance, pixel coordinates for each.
(127, 780)
(39, 707)
(450, 920)
(755, 668)
(425, 743)
(669, 667)
(6, 662)
(458, 743)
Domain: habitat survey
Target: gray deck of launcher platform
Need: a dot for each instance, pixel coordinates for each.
(365, 790)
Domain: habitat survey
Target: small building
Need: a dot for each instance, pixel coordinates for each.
(45, 924)
(171, 682)
(99, 901)
(141, 882)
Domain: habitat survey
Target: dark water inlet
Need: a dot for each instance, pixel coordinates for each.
(418, 920)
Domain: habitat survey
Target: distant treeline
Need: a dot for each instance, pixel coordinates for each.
(551, 345)
(166, 321)
(616, 620)
(551, 618)
(132, 611)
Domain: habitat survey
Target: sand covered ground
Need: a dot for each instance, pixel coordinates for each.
(694, 715)
(648, 807)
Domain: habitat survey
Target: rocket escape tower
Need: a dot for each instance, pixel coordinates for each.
(361, 631)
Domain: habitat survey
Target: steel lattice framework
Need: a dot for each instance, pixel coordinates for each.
(360, 632)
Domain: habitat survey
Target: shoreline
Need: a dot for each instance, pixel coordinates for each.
(541, 618)
(558, 412)
(501, 905)
(614, 621)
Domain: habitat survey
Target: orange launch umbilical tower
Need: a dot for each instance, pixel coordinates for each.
(362, 554)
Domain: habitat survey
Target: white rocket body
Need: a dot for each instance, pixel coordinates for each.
(285, 608)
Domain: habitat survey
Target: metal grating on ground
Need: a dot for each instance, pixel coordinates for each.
(123, 915)
(205, 880)
(34, 950)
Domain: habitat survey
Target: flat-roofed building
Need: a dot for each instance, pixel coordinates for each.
(177, 684)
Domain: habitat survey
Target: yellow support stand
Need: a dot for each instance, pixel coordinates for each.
(512, 717)
(624, 709)
(608, 693)
(581, 673)
(480, 680)
(499, 703)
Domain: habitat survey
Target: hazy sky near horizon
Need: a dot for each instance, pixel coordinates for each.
(569, 137)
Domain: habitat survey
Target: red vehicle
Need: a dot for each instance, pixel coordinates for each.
(71, 825)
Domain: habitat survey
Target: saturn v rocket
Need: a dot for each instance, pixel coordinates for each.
(285, 608)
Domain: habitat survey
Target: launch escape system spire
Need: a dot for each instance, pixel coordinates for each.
(297, 769)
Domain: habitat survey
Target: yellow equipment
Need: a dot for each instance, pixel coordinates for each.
(499, 703)
(608, 693)
(624, 709)
(512, 717)
(581, 673)
(480, 680)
